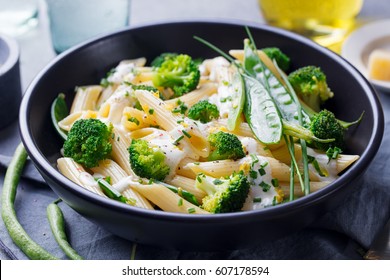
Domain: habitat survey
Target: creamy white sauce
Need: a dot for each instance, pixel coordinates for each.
(122, 70)
(322, 159)
(173, 154)
(256, 190)
(121, 98)
(122, 185)
(209, 67)
(249, 144)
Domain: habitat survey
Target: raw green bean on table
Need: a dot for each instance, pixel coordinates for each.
(14, 228)
(57, 225)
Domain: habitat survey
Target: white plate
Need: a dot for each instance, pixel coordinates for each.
(358, 46)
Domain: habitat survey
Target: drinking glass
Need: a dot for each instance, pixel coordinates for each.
(73, 21)
(18, 16)
(326, 22)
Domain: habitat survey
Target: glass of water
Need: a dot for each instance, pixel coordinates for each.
(18, 16)
(72, 22)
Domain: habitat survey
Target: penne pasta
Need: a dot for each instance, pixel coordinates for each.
(188, 185)
(203, 92)
(120, 143)
(166, 199)
(76, 173)
(86, 98)
(110, 169)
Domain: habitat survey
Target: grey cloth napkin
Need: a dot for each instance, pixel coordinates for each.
(343, 233)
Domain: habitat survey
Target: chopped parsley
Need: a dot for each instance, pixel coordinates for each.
(217, 182)
(133, 120)
(176, 142)
(186, 134)
(333, 153)
(180, 202)
(316, 165)
(257, 199)
(275, 182)
(266, 187)
(191, 210)
(253, 174)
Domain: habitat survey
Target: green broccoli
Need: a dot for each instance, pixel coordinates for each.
(310, 85)
(281, 59)
(157, 61)
(204, 111)
(225, 146)
(180, 73)
(324, 125)
(223, 195)
(147, 162)
(88, 142)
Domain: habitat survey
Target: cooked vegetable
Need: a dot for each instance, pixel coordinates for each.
(261, 112)
(88, 142)
(225, 146)
(183, 193)
(223, 195)
(14, 228)
(325, 125)
(180, 73)
(157, 61)
(203, 111)
(238, 101)
(310, 85)
(281, 58)
(59, 110)
(147, 161)
(112, 192)
(57, 225)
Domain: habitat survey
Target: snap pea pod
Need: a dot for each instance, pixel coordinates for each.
(238, 101)
(14, 228)
(261, 112)
(256, 67)
(57, 225)
(58, 111)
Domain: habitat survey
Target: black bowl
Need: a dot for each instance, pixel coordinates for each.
(88, 63)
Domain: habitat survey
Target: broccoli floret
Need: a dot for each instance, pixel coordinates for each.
(180, 73)
(156, 62)
(281, 59)
(88, 142)
(310, 85)
(203, 111)
(324, 125)
(223, 195)
(225, 146)
(147, 162)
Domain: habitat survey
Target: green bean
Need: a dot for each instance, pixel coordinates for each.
(261, 112)
(14, 228)
(57, 225)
